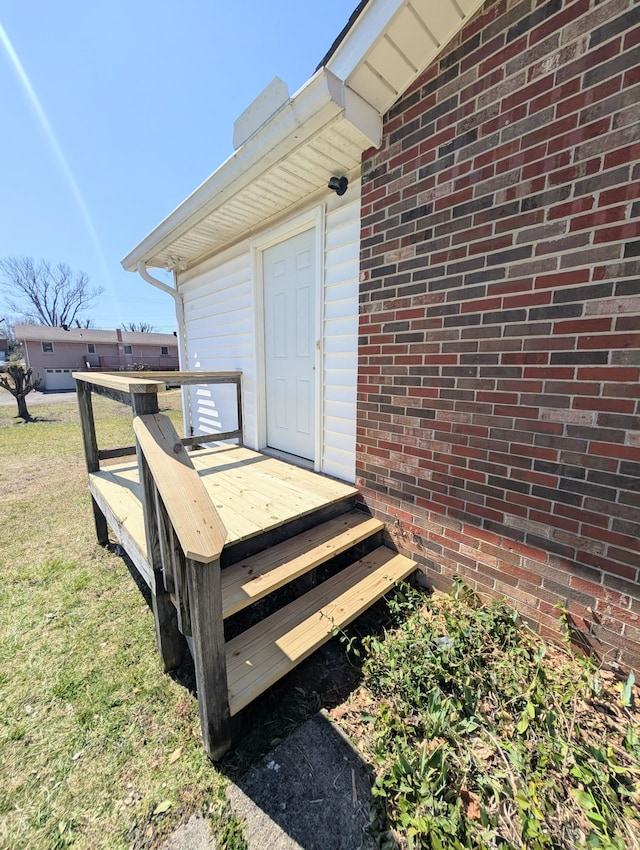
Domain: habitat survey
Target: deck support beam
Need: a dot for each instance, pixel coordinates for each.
(209, 655)
(170, 641)
(168, 636)
(88, 426)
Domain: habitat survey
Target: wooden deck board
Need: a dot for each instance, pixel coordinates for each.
(230, 492)
(123, 512)
(262, 655)
(255, 577)
(252, 493)
(266, 475)
(265, 512)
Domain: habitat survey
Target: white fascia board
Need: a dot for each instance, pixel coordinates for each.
(364, 117)
(370, 25)
(320, 100)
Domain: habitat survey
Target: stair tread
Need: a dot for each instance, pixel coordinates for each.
(253, 578)
(262, 655)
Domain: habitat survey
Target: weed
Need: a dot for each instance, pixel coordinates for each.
(484, 737)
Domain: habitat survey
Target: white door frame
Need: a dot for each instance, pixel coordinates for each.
(311, 220)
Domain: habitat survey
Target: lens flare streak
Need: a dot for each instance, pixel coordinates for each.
(55, 147)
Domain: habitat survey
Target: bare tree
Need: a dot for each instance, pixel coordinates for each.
(7, 328)
(17, 380)
(138, 327)
(43, 294)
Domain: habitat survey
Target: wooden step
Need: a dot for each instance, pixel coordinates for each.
(253, 578)
(262, 655)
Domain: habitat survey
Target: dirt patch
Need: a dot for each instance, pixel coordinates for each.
(313, 792)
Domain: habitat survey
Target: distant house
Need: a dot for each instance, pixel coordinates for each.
(457, 330)
(4, 350)
(55, 353)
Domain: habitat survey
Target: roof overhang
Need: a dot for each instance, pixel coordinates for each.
(320, 132)
(47, 333)
(392, 42)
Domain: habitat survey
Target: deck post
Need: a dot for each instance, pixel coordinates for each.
(142, 403)
(91, 456)
(169, 638)
(239, 406)
(209, 655)
(100, 522)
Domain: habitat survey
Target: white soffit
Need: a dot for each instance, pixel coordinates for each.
(320, 132)
(393, 42)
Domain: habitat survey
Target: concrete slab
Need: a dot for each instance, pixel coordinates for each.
(37, 397)
(192, 835)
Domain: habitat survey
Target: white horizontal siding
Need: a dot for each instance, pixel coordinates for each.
(342, 306)
(220, 336)
(220, 323)
(340, 348)
(341, 424)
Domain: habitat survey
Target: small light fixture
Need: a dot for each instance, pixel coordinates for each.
(338, 185)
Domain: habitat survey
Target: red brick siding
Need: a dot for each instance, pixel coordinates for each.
(499, 369)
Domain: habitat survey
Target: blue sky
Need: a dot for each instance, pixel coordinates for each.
(124, 108)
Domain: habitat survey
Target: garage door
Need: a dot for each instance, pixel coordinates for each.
(59, 379)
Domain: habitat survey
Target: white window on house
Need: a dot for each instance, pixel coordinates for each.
(47, 347)
(91, 348)
(164, 349)
(128, 349)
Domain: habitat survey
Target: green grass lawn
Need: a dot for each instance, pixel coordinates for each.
(98, 748)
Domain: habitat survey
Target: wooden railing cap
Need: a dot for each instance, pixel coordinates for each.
(123, 382)
(153, 382)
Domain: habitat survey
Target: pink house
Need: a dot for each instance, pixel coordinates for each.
(55, 353)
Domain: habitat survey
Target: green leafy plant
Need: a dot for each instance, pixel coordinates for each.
(483, 738)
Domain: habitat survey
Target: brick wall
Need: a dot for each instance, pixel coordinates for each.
(499, 411)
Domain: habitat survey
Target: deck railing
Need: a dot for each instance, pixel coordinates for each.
(140, 391)
(185, 537)
(184, 533)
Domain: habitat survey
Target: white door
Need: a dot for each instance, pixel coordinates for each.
(289, 300)
(59, 379)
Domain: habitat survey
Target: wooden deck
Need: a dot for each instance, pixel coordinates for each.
(253, 494)
(214, 530)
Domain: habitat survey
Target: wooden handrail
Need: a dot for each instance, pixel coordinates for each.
(125, 383)
(185, 378)
(153, 382)
(193, 516)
